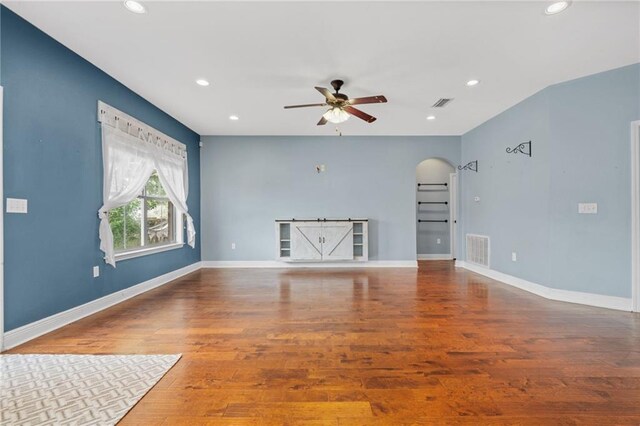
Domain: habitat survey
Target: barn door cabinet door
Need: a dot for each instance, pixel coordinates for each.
(306, 241)
(337, 241)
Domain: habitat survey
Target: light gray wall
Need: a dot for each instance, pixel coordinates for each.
(248, 182)
(433, 170)
(580, 132)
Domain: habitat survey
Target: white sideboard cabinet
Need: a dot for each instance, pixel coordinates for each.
(322, 240)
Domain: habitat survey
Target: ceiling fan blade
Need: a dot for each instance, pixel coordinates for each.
(303, 106)
(368, 100)
(360, 114)
(322, 121)
(327, 94)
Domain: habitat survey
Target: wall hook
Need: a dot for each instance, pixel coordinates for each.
(471, 165)
(523, 148)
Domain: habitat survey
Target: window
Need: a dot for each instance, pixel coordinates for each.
(146, 224)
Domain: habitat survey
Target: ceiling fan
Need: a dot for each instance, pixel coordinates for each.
(340, 106)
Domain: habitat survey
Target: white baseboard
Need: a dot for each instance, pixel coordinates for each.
(277, 264)
(435, 257)
(35, 329)
(598, 300)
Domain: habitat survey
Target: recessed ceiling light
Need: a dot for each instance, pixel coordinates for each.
(202, 82)
(134, 6)
(556, 7)
(431, 117)
(234, 117)
(472, 82)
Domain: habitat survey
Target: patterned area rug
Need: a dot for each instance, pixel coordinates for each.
(75, 389)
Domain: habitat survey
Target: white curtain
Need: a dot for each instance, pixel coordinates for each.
(128, 164)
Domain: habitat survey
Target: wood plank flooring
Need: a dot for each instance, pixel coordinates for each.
(437, 346)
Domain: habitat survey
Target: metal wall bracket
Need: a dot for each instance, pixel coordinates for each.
(523, 148)
(472, 165)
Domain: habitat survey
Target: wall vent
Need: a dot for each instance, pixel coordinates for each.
(478, 249)
(442, 102)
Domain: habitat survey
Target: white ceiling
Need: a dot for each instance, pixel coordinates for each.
(260, 56)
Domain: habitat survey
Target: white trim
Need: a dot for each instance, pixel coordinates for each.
(635, 215)
(35, 329)
(435, 257)
(453, 213)
(598, 300)
(132, 254)
(1, 226)
(286, 265)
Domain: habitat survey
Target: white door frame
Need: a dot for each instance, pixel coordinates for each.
(453, 213)
(635, 215)
(1, 228)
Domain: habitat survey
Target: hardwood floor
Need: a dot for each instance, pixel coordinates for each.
(367, 347)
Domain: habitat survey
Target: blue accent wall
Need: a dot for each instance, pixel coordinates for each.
(580, 132)
(248, 182)
(53, 158)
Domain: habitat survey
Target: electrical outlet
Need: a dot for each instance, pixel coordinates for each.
(438, 241)
(96, 271)
(16, 205)
(233, 246)
(588, 208)
(514, 256)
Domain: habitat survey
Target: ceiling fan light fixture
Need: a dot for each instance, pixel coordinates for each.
(336, 115)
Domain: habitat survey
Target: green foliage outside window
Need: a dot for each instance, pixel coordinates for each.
(127, 221)
(126, 225)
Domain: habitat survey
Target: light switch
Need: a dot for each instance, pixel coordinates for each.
(588, 208)
(16, 205)
(96, 271)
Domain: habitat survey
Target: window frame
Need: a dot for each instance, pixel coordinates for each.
(155, 248)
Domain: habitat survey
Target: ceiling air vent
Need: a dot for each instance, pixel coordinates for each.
(442, 102)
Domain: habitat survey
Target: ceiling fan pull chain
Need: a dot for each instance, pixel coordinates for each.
(338, 131)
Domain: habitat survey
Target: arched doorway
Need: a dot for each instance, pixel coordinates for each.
(436, 193)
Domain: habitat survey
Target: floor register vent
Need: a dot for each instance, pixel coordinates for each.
(478, 249)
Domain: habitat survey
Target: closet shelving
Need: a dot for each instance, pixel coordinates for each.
(434, 190)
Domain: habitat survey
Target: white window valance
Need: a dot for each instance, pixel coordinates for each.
(125, 123)
(131, 151)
